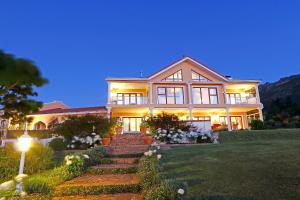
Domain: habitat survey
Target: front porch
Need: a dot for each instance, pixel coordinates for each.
(233, 118)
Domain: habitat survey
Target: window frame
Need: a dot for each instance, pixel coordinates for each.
(165, 95)
(209, 95)
(173, 79)
(130, 95)
(204, 79)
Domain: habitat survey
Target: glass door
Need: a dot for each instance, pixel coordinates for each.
(132, 124)
(236, 123)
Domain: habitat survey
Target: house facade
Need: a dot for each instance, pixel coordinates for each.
(188, 89)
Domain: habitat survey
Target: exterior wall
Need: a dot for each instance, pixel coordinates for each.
(188, 109)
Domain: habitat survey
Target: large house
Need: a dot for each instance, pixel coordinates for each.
(186, 88)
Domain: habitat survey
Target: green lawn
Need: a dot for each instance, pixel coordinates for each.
(247, 165)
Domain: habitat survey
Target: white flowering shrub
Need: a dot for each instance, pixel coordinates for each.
(85, 142)
(177, 136)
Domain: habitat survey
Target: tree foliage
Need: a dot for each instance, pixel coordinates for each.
(18, 78)
(82, 126)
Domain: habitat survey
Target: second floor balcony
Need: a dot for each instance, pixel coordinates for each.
(241, 100)
(129, 99)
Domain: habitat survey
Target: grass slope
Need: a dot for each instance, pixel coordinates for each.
(247, 165)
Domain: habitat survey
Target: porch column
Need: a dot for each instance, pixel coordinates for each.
(257, 94)
(108, 113)
(150, 93)
(151, 111)
(225, 98)
(108, 93)
(228, 119)
(189, 93)
(261, 116)
(191, 113)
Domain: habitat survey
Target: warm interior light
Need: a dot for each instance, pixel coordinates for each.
(24, 142)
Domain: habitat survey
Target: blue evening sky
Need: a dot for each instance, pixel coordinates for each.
(77, 43)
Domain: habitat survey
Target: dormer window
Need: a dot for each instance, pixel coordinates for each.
(177, 76)
(199, 78)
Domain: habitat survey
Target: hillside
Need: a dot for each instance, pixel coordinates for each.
(287, 86)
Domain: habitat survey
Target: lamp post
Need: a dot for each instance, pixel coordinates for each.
(24, 143)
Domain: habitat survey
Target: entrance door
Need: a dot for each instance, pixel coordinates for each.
(236, 122)
(132, 124)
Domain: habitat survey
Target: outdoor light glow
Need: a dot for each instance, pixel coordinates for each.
(24, 142)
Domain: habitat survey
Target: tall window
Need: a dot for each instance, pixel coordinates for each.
(198, 77)
(169, 95)
(177, 76)
(205, 95)
(132, 124)
(234, 98)
(129, 98)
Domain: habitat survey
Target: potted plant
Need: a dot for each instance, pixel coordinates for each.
(148, 139)
(105, 139)
(112, 134)
(119, 127)
(143, 127)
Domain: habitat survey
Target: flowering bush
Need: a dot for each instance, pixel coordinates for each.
(76, 163)
(177, 136)
(84, 142)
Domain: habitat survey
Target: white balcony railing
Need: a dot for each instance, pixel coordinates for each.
(242, 100)
(129, 101)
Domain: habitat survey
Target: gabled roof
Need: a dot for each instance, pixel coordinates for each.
(187, 58)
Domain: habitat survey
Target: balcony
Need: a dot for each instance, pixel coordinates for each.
(242, 100)
(133, 100)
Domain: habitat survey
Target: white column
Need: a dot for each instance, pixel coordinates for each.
(228, 119)
(261, 116)
(150, 99)
(190, 93)
(108, 112)
(225, 98)
(151, 111)
(108, 93)
(150, 93)
(191, 113)
(257, 93)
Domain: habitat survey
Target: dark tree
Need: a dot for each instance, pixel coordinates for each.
(18, 78)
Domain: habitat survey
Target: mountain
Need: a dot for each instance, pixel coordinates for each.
(281, 89)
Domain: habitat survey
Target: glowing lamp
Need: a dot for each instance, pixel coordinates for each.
(24, 142)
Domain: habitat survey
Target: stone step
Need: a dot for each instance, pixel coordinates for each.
(93, 184)
(113, 169)
(120, 196)
(125, 160)
(125, 152)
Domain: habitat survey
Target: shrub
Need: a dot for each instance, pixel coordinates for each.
(95, 156)
(163, 191)
(257, 124)
(58, 144)
(38, 159)
(82, 126)
(37, 184)
(148, 172)
(76, 164)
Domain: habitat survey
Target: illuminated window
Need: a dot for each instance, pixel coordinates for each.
(170, 95)
(177, 76)
(129, 98)
(205, 95)
(198, 77)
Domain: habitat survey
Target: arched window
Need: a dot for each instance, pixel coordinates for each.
(53, 123)
(39, 126)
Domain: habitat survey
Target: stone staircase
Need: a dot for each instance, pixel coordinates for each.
(115, 179)
(127, 144)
